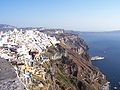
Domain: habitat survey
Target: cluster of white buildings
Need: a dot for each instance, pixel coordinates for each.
(27, 40)
(24, 49)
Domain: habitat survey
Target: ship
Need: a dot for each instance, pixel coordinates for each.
(97, 58)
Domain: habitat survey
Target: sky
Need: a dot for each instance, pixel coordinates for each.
(81, 15)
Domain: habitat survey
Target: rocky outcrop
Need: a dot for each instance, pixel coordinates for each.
(74, 71)
(70, 67)
(8, 77)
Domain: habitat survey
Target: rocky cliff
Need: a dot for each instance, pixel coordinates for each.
(70, 67)
(56, 61)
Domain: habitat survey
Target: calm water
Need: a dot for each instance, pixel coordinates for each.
(107, 45)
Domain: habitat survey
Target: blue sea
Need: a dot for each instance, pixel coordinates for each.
(107, 45)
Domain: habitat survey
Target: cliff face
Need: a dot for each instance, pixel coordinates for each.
(73, 70)
(70, 67)
(51, 60)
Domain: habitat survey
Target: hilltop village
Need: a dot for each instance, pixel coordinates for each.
(50, 60)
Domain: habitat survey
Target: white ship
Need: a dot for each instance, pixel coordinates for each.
(97, 58)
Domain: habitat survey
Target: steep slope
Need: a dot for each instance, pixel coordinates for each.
(73, 70)
(70, 67)
(51, 60)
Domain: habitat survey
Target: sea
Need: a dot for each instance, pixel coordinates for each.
(106, 44)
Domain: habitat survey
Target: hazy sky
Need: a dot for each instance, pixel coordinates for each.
(83, 15)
